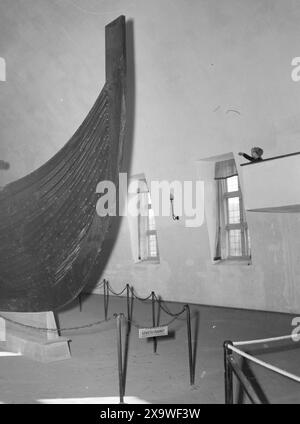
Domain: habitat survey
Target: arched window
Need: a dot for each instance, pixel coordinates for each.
(142, 223)
(233, 239)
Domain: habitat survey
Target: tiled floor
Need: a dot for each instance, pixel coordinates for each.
(91, 375)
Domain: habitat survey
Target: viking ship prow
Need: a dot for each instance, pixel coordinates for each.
(50, 234)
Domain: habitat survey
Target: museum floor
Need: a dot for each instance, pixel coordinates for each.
(91, 375)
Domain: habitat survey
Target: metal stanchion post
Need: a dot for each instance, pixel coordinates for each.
(189, 333)
(153, 321)
(228, 382)
(158, 299)
(131, 304)
(106, 297)
(120, 361)
(80, 302)
(128, 302)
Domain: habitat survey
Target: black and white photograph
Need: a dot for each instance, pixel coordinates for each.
(149, 206)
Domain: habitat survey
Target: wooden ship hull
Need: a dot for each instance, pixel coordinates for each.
(51, 237)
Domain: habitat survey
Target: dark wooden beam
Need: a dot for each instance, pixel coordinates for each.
(273, 158)
(115, 41)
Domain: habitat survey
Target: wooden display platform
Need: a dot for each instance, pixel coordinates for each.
(34, 335)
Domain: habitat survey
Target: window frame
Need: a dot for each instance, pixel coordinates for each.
(148, 232)
(242, 225)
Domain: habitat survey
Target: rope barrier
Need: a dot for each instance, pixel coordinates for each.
(116, 294)
(172, 314)
(142, 299)
(166, 309)
(106, 284)
(122, 373)
(56, 329)
(138, 326)
(271, 339)
(265, 364)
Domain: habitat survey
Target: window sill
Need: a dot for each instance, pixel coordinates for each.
(154, 261)
(235, 261)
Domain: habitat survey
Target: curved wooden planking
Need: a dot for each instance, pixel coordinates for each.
(50, 234)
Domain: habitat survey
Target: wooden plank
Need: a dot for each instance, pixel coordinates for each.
(50, 233)
(115, 42)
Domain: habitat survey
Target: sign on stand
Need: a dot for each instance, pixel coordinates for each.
(144, 333)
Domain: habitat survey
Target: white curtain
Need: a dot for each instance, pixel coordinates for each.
(223, 169)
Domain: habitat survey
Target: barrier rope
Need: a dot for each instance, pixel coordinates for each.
(167, 311)
(111, 290)
(271, 339)
(138, 326)
(265, 364)
(105, 282)
(142, 299)
(165, 308)
(57, 329)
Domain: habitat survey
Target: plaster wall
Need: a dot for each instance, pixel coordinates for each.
(211, 77)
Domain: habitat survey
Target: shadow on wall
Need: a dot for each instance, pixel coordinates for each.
(4, 166)
(112, 234)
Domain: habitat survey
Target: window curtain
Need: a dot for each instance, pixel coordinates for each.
(142, 221)
(218, 250)
(223, 169)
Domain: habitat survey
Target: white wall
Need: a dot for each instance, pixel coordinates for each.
(272, 184)
(212, 77)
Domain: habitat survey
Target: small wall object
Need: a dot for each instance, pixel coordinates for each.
(2, 69)
(175, 217)
(4, 166)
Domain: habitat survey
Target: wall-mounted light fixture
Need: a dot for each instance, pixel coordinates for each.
(175, 217)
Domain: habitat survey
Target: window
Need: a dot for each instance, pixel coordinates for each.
(236, 228)
(142, 222)
(147, 235)
(232, 235)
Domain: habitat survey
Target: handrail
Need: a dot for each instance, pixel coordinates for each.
(268, 159)
(270, 339)
(243, 381)
(265, 364)
(231, 367)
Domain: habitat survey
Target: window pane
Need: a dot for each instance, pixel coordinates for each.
(232, 183)
(248, 240)
(152, 245)
(151, 220)
(235, 243)
(234, 210)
